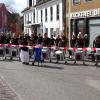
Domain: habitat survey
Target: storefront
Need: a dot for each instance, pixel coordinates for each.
(87, 22)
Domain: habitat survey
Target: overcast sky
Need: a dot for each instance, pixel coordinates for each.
(16, 5)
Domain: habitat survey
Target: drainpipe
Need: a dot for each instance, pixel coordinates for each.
(69, 24)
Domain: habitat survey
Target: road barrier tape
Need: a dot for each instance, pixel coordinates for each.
(54, 48)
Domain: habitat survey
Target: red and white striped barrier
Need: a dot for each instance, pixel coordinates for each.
(54, 48)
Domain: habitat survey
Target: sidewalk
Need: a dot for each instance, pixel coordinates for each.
(6, 93)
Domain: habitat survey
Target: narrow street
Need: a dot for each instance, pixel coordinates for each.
(52, 81)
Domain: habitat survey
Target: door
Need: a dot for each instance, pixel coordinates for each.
(94, 30)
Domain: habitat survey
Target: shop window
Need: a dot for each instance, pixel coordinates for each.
(73, 24)
(81, 26)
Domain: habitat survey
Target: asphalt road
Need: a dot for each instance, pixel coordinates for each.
(52, 81)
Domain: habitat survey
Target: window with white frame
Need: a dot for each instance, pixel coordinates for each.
(57, 31)
(57, 12)
(25, 19)
(76, 1)
(46, 15)
(51, 13)
(41, 15)
(46, 30)
(28, 18)
(37, 16)
(51, 31)
(30, 3)
(34, 16)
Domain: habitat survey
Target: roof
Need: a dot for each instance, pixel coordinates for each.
(38, 2)
(27, 8)
(2, 4)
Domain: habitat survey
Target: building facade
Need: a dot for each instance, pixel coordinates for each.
(50, 17)
(9, 22)
(13, 23)
(30, 17)
(44, 16)
(85, 18)
(3, 18)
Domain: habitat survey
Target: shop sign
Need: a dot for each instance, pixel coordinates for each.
(84, 14)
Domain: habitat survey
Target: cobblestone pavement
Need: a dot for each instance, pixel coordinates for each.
(6, 93)
(50, 81)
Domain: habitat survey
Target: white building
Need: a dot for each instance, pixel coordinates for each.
(29, 16)
(44, 17)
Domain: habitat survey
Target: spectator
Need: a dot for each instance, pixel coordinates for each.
(24, 51)
(58, 40)
(46, 40)
(63, 41)
(86, 40)
(14, 39)
(7, 39)
(52, 41)
(34, 38)
(80, 40)
(96, 43)
(73, 40)
(40, 39)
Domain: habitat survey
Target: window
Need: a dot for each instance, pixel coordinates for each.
(25, 19)
(37, 16)
(46, 30)
(57, 17)
(51, 31)
(76, 1)
(34, 16)
(30, 3)
(41, 15)
(31, 17)
(51, 13)
(57, 31)
(81, 26)
(45, 14)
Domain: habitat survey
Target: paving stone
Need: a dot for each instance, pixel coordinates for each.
(6, 93)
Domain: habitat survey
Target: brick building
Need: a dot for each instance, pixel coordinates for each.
(3, 18)
(9, 21)
(14, 23)
(84, 17)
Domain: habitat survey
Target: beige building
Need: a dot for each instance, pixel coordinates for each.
(84, 16)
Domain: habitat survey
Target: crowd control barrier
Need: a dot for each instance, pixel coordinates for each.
(54, 53)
